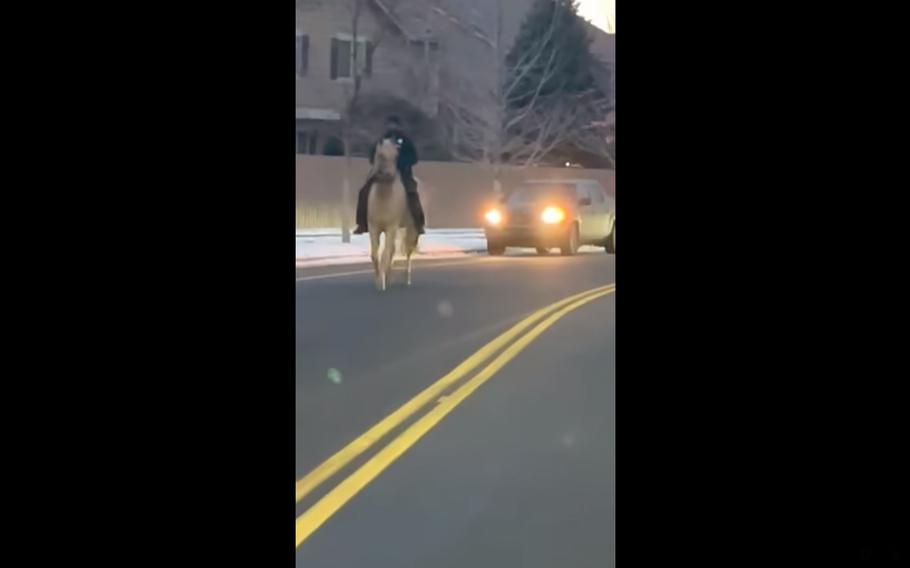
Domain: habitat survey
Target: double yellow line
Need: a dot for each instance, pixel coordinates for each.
(322, 510)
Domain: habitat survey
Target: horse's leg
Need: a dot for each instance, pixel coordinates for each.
(400, 246)
(374, 254)
(388, 253)
(409, 267)
(410, 245)
(391, 269)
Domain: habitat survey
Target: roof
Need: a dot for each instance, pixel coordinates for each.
(420, 20)
(603, 76)
(475, 18)
(603, 49)
(308, 113)
(603, 45)
(411, 17)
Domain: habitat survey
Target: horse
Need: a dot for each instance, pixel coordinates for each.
(387, 212)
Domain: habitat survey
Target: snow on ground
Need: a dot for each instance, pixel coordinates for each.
(323, 247)
(320, 247)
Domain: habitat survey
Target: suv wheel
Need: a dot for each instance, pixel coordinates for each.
(495, 249)
(570, 246)
(610, 243)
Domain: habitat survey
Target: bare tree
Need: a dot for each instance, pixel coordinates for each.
(568, 121)
(352, 93)
(599, 139)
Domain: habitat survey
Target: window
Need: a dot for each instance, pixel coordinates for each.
(303, 55)
(333, 147)
(529, 193)
(307, 142)
(584, 192)
(343, 58)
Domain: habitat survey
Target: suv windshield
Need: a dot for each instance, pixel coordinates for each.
(534, 192)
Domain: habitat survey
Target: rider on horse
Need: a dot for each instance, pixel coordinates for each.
(407, 157)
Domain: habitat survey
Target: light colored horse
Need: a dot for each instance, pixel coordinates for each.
(387, 212)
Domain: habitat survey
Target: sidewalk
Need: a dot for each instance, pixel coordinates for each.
(322, 247)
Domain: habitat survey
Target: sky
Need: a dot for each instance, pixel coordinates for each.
(602, 13)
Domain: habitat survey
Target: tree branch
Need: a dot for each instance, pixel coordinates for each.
(526, 66)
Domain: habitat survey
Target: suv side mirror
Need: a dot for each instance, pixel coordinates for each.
(584, 201)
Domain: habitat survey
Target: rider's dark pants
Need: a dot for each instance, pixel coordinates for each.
(410, 187)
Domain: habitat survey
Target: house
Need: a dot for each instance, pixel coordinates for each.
(398, 55)
(395, 60)
(603, 48)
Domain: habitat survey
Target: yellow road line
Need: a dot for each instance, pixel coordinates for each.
(344, 456)
(418, 264)
(315, 516)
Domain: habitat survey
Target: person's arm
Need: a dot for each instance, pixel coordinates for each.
(408, 152)
(372, 171)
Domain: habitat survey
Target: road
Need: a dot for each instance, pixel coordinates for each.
(518, 471)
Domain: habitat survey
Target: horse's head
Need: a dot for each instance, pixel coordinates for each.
(386, 160)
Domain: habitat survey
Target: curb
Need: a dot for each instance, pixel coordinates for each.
(471, 233)
(367, 255)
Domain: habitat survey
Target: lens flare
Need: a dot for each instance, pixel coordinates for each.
(552, 215)
(493, 217)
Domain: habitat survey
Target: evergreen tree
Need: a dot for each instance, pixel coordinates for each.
(551, 54)
(551, 98)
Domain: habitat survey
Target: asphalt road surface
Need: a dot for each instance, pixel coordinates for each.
(511, 465)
